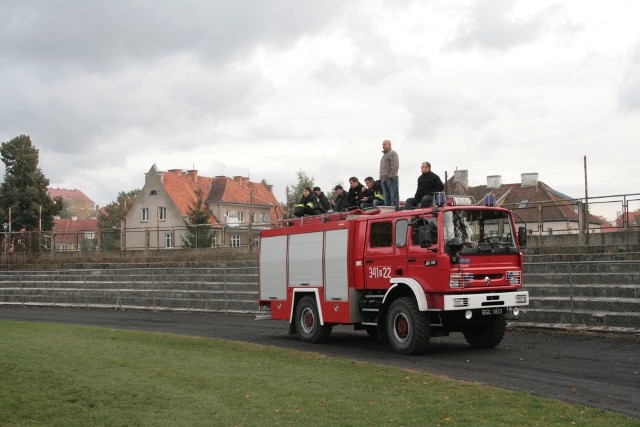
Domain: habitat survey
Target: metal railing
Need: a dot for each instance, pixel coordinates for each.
(593, 295)
(175, 289)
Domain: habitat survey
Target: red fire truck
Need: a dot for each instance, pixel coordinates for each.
(404, 276)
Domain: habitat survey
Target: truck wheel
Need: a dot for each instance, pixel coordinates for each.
(307, 322)
(408, 329)
(488, 334)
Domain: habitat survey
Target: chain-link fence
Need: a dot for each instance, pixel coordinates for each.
(568, 294)
(595, 294)
(178, 289)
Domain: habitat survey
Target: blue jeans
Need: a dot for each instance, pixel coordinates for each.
(390, 192)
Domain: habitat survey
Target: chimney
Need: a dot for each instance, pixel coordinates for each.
(176, 171)
(193, 174)
(461, 177)
(494, 181)
(529, 179)
(269, 187)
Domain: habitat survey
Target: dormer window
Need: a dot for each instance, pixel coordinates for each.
(523, 204)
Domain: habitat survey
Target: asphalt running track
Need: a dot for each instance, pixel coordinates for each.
(598, 370)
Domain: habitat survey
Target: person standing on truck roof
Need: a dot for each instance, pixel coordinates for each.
(355, 190)
(308, 204)
(389, 165)
(340, 202)
(324, 202)
(428, 183)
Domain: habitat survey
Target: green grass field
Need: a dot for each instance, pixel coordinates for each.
(53, 374)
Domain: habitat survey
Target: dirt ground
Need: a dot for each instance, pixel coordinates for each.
(598, 370)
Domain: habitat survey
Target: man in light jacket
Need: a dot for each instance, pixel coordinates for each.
(389, 165)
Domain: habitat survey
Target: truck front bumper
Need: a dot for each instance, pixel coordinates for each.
(485, 301)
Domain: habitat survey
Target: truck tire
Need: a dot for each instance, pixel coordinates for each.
(408, 329)
(488, 334)
(307, 322)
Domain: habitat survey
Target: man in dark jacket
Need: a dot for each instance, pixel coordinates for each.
(340, 203)
(324, 202)
(355, 190)
(428, 183)
(371, 194)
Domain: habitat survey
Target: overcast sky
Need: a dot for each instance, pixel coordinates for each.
(267, 88)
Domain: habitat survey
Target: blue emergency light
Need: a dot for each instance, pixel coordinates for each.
(439, 198)
(490, 199)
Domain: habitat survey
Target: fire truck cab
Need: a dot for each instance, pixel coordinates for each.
(404, 276)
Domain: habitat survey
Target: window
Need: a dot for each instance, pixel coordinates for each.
(162, 213)
(241, 216)
(380, 236)
(402, 226)
(168, 240)
(213, 240)
(263, 217)
(89, 235)
(235, 241)
(145, 214)
(415, 230)
(523, 204)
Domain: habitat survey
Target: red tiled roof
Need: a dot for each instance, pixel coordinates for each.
(526, 200)
(242, 190)
(68, 194)
(633, 218)
(66, 230)
(182, 186)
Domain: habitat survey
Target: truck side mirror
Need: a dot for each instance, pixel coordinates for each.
(522, 236)
(424, 235)
(453, 248)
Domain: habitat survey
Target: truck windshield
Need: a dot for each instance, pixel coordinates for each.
(481, 230)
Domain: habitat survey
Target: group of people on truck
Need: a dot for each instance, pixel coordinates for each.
(382, 192)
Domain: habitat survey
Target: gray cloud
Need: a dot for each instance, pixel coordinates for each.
(492, 25)
(96, 35)
(432, 112)
(629, 91)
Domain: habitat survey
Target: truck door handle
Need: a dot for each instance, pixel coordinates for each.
(411, 260)
(369, 261)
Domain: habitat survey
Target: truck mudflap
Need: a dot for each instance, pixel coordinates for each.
(485, 301)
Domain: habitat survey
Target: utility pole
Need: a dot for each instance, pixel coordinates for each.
(586, 204)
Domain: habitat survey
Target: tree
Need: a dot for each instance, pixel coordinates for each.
(294, 192)
(111, 217)
(24, 189)
(199, 233)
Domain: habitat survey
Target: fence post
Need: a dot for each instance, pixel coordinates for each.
(188, 297)
(118, 285)
(21, 289)
(155, 286)
(573, 319)
(53, 288)
(226, 297)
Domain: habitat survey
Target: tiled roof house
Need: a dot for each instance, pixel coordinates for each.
(77, 203)
(543, 209)
(159, 212)
(75, 234)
